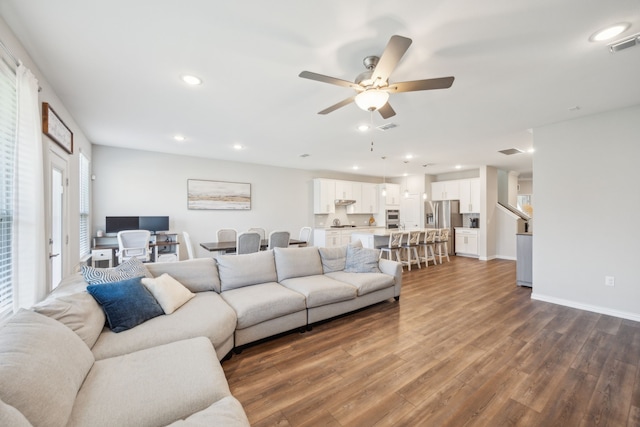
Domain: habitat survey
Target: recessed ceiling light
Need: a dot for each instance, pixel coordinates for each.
(363, 128)
(191, 80)
(179, 138)
(409, 156)
(355, 167)
(531, 150)
(609, 32)
(238, 146)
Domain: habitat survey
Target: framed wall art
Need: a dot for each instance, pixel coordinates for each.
(54, 128)
(211, 195)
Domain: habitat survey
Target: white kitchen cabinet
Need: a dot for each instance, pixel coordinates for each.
(331, 238)
(366, 196)
(324, 196)
(392, 196)
(445, 190)
(470, 195)
(466, 241)
(344, 190)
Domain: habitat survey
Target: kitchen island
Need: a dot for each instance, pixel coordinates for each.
(374, 238)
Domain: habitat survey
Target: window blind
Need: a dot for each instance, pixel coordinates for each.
(8, 114)
(85, 205)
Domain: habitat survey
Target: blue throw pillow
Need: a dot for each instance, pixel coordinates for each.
(126, 304)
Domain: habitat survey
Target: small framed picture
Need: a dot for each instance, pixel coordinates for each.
(54, 128)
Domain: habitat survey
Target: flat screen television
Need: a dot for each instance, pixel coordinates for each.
(154, 224)
(121, 223)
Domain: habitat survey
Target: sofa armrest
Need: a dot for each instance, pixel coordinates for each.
(392, 268)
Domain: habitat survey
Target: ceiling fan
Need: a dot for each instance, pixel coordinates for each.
(373, 85)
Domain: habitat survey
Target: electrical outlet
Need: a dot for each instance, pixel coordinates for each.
(609, 281)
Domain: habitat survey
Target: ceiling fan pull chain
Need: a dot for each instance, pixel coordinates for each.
(371, 129)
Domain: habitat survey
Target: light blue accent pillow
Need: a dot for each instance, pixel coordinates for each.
(362, 260)
(126, 304)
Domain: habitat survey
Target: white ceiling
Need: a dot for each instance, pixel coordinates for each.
(116, 66)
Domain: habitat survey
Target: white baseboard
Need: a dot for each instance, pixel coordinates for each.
(594, 308)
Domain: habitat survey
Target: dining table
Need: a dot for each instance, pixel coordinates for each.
(231, 246)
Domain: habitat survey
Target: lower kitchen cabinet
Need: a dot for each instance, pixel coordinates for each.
(467, 241)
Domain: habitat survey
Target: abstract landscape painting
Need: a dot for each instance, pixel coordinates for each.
(218, 195)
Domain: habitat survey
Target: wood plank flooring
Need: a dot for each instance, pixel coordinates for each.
(464, 346)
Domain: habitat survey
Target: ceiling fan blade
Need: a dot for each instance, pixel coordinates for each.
(338, 105)
(426, 84)
(327, 79)
(386, 111)
(392, 54)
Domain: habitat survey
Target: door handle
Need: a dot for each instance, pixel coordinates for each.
(53, 255)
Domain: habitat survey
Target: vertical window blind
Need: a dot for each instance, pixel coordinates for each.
(85, 205)
(8, 114)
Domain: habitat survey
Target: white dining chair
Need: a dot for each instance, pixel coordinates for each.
(188, 244)
(279, 239)
(227, 235)
(248, 242)
(304, 236)
(261, 231)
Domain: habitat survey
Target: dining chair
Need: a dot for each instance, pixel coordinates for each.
(304, 236)
(133, 244)
(261, 231)
(187, 243)
(278, 239)
(410, 248)
(393, 248)
(248, 242)
(227, 235)
(427, 243)
(442, 247)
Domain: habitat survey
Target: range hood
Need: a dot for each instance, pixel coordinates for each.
(344, 202)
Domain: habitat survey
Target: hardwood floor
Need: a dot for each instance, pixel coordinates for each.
(463, 346)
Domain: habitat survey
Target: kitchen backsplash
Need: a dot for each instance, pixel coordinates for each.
(341, 215)
(466, 219)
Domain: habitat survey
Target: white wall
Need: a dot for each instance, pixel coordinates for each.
(586, 211)
(132, 182)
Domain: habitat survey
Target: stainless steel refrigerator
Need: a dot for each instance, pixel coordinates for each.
(444, 214)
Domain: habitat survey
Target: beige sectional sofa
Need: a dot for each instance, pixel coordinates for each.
(60, 365)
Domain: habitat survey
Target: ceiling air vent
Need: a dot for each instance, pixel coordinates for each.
(511, 151)
(625, 43)
(387, 126)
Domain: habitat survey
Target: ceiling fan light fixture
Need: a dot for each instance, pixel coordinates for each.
(372, 99)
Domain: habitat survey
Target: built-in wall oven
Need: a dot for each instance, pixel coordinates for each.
(392, 218)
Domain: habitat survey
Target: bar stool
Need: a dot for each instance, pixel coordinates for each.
(442, 247)
(427, 244)
(411, 248)
(394, 246)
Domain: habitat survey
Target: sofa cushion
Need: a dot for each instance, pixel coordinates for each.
(151, 387)
(364, 282)
(227, 412)
(263, 302)
(10, 416)
(129, 269)
(362, 260)
(334, 259)
(197, 275)
(42, 366)
(320, 290)
(237, 271)
(297, 262)
(79, 311)
(126, 304)
(205, 315)
(169, 293)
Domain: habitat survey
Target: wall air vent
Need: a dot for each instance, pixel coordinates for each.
(511, 151)
(387, 126)
(625, 43)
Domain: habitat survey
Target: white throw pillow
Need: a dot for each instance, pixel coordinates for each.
(169, 293)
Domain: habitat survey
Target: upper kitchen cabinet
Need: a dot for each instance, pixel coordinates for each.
(445, 190)
(470, 195)
(324, 196)
(345, 190)
(366, 197)
(392, 197)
